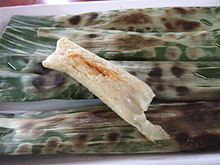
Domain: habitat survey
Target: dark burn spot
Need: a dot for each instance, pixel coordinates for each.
(112, 28)
(178, 72)
(160, 87)
(59, 80)
(180, 24)
(163, 19)
(93, 16)
(113, 136)
(82, 138)
(205, 142)
(130, 28)
(75, 19)
(169, 26)
(180, 10)
(92, 35)
(133, 18)
(133, 73)
(155, 72)
(57, 25)
(52, 143)
(149, 81)
(98, 112)
(137, 41)
(38, 82)
(187, 25)
(148, 28)
(182, 138)
(40, 69)
(182, 91)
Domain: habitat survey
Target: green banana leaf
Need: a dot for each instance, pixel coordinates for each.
(116, 45)
(142, 20)
(91, 127)
(23, 78)
(17, 86)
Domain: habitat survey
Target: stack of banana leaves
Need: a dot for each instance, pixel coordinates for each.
(174, 50)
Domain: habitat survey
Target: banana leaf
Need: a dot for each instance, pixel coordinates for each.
(23, 78)
(102, 37)
(15, 86)
(92, 128)
(143, 20)
(116, 45)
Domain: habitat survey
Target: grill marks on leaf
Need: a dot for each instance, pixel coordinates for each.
(59, 80)
(40, 69)
(132, 18)
(93, 16)
(92, 35)
(113, 136)
(75, 20)
(182, 11)
(204, 142)
(136, 41)
(156, 72)
(177, 71)
(182, 90)
(179, 24)
(155, 79)
(42, 80)
(38, 82)
(160, 87)
(49, 82)
(80, 140)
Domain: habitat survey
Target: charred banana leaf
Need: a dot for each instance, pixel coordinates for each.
(102, 37)
(116, 45)
(95, 129)
(176, 19)
(15, 86)
(23, 78)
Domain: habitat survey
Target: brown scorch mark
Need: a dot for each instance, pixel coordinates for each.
(183, 11)
(93, 16)
(132, 18)
(80, 140)
(155, 72)
(180, 10)
(92, 35)
(180, 24)
(177, 71)
(113, 136)
(59, 80)
(40, 69)
(136, 41)
(75, 20)
(160, 87)
(38, 82)
(182, 91)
